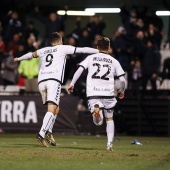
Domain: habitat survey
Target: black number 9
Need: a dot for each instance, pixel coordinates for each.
(49, 59)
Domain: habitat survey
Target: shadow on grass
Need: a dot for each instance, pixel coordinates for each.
(79, 148)
(20, 145)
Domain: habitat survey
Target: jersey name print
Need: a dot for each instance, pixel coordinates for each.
(102, 59)
(52, 62)
(101, 71)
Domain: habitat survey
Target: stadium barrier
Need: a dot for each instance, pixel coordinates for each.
(25, 113)
(146, 116)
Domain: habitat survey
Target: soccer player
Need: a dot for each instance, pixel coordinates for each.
(100, 85)
(50, 78)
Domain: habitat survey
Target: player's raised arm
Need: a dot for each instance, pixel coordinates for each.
(87, 50)
(26, 56)
(76, 76)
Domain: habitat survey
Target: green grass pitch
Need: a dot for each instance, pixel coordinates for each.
(73, 152)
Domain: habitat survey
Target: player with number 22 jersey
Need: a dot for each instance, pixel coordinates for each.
(101, 71)
(100, 85)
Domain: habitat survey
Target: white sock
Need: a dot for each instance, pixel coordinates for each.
(48, 118)
(52, 124)
(110, 131)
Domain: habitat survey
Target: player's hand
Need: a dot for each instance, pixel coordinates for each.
(70, 89)
(154, 76)
(121, 95)
(15, 59)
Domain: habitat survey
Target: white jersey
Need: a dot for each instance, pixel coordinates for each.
(101, 71)
(52, 62)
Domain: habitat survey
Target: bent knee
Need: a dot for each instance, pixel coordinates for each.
(57, 110)
(109, 119)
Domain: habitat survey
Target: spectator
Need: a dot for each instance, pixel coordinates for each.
(76, 33)
(95, 26)
(21, 79)
(138, 47)
(100, 25)
(94, 43)
(154, 35)
(13, 44)
(1, 28)
(122, 48)
(31, 44)
(85, 40)
(29, 70)
(136, 77)
(2, 46)
(129, 19)
(20, 51)
(91, 26)
(112, 41)
(138, 26)
(150, 66)
(166, 70)
(14, 26)
(53, 24)
(152, 18)
(30, 30)
(2, 56)
(10, 73)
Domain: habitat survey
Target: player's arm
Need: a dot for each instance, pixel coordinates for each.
(72, 50)
(120, 74)
(27, 56)
(122, 87)
(87, 50)
(76, 76)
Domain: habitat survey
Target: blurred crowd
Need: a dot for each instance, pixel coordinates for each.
(135, 44)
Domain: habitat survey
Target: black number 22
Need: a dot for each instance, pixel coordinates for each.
(49, 60)
(94, 76)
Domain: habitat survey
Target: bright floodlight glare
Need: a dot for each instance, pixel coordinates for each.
(103, 10)
(76, 13)
(162, 13)
(61, 12)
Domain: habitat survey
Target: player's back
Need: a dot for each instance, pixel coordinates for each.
(52, 62)
(101, 70)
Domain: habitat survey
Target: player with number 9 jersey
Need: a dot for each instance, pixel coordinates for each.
(50, 79)
(52, 62)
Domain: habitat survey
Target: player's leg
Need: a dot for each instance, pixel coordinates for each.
(52, 124)
(95, 107)
(50, 95)
(108, 113)
(47, 121)
(109, 127)
(54, 89)
(48, 136)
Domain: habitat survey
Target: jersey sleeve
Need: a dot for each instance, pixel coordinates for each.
(68, 49)
(119, 71)
(39, 52)
(84, 63)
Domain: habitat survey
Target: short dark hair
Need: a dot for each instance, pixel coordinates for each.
(55, 37)
(103, 43)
